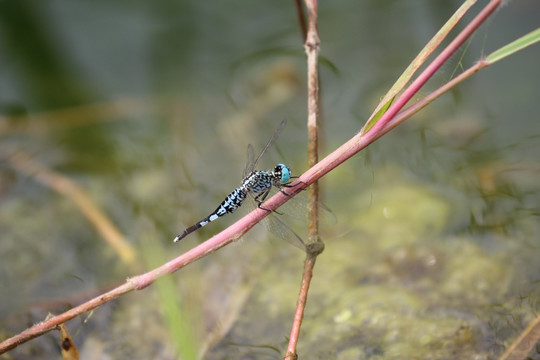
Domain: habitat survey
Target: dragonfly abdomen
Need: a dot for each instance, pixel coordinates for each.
(230, 204)
(227, 206)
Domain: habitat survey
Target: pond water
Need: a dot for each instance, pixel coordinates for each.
(145, 111)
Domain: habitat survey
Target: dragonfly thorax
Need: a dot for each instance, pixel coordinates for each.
(258, 182)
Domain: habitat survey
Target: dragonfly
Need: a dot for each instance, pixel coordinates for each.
(256, 184)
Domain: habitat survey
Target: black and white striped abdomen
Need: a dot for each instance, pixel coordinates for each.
(227, 206)
(230, 204)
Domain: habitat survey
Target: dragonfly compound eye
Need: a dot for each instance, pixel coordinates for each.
(284, 171)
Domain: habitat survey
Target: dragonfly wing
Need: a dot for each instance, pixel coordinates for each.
(294, 212)
(279, 228)
(296, 209)
(250, 162)
(271, 141)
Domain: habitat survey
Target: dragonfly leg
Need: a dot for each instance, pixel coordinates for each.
(260, 199)
(288, 185)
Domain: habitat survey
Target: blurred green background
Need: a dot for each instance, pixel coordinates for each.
(149, 106)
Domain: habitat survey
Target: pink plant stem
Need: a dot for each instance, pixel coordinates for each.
(50, 324)
(413, 109)
(434, 66)
(135, 283)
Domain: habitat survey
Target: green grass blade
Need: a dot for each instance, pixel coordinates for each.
(377, 115)
(417, 63)
(517, 45)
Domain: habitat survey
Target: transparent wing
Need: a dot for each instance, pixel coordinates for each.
(277, 226)
(294, 212)
(250, 161)
(250, 164)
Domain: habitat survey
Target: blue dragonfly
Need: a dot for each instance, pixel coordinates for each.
(256, 184)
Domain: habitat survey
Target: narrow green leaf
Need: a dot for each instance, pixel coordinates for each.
(519, 44)
(430, 47)
(377, 115)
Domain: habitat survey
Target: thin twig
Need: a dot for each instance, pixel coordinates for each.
(301, 18)
(314, 244)
(51, 324)
(312, 51)
(300, 306)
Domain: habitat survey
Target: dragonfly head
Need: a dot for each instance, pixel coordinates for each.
(282, 172)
